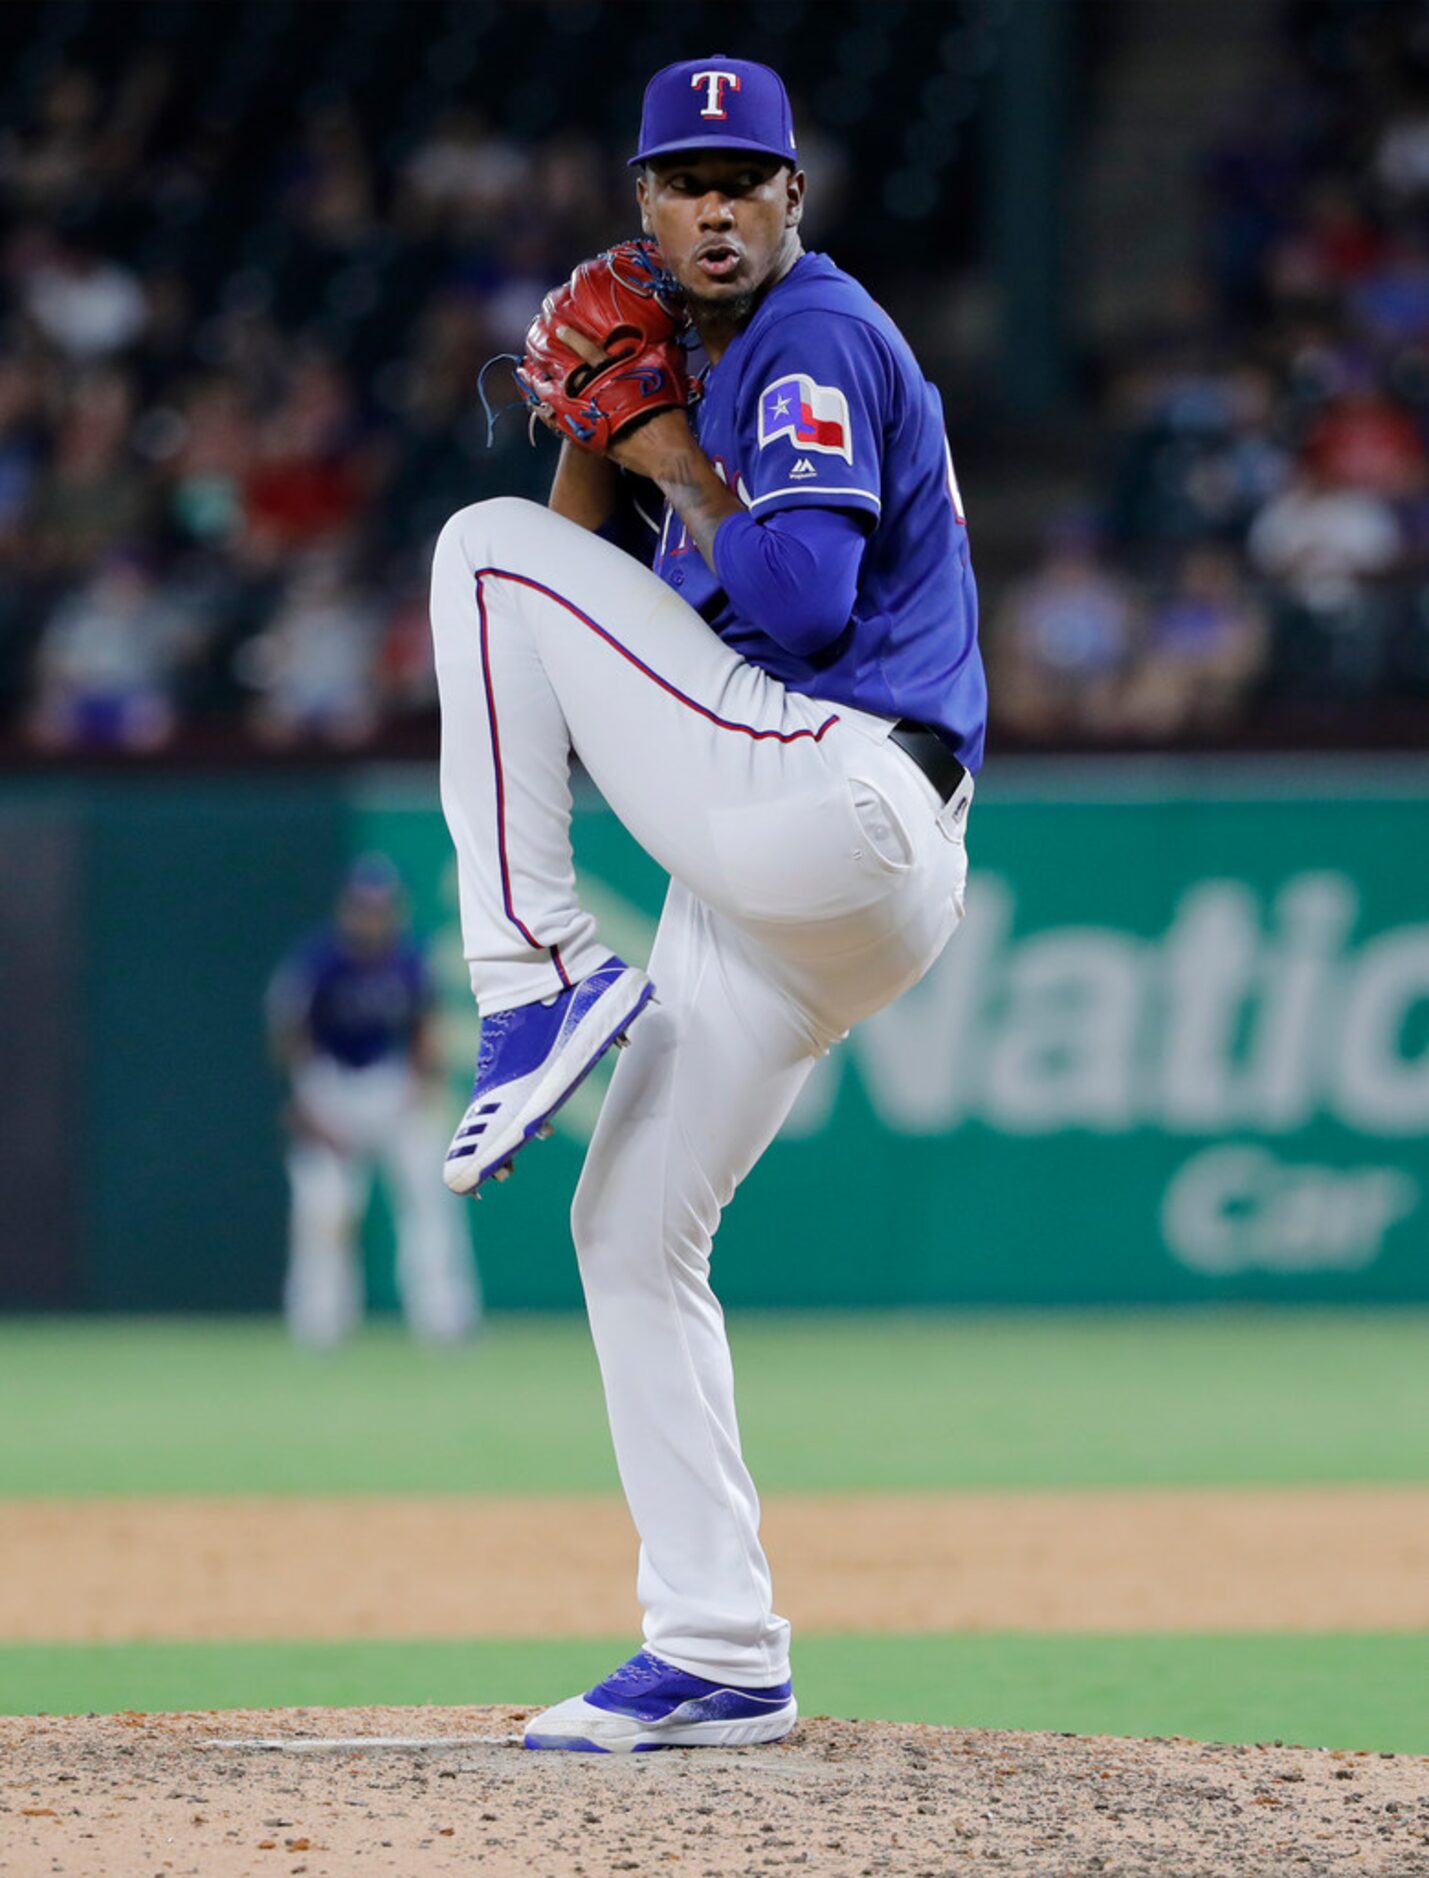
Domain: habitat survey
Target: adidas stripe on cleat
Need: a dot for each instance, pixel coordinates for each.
(532, 1058)
(648, 1703)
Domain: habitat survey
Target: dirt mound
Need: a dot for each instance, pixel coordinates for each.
(412, 1792)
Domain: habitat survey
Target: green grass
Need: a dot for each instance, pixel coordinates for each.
(828, 1403)
(114, 1406)
(1316, 1691)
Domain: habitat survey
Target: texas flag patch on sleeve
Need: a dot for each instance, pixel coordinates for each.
(813, 417)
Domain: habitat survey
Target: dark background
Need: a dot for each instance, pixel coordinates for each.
(1164, 260)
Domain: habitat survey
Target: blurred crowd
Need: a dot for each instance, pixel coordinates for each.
(219, 508)
(231, 423)
(1262, 536)
(248, 300)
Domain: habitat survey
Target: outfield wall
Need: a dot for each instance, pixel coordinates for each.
(1180, 1052)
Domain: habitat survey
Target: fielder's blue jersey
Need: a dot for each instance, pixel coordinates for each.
(819, 402)
(359, 1010)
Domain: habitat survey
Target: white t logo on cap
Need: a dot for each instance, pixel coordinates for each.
(714, 83)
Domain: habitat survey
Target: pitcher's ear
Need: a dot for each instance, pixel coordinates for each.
(794, 204)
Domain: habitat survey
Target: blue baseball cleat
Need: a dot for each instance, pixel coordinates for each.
(531, 1059)
(649, 1704)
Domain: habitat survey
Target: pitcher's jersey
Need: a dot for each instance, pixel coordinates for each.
(819, 402)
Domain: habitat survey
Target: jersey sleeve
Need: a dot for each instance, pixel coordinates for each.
(815, 399)
(288, 1002)
(794, 575)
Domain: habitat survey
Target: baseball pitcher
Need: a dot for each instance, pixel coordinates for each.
(786, 708)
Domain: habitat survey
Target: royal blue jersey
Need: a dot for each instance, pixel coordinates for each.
(819, 402)
(359, 1010)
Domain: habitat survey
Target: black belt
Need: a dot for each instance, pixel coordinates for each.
(931, 754)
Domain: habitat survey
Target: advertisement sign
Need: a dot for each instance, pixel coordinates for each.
(1179, 1051)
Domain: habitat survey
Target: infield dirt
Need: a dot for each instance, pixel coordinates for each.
(113, 1797)
(125, 1795)
(1285, 1559)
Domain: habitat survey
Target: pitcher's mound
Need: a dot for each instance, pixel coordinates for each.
(410, 1792)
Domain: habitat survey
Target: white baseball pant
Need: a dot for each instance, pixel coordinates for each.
(815, 875)
(366, 1118)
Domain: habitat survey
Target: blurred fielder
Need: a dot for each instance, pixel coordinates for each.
(349, 1016)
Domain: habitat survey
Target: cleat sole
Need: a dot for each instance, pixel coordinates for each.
(745, 1732)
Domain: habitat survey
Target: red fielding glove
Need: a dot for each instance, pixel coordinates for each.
(628, 302)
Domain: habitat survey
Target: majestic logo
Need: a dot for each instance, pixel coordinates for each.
(715, 84)
(803, 468)
(813, 417)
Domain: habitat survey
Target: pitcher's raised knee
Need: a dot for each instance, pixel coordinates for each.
(487, 532)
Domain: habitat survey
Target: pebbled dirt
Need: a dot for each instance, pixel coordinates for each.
(126, 1796)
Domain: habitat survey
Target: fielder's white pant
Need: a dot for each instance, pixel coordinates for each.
(372, 1117)
(815, 875)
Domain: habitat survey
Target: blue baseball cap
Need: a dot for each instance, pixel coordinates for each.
(716, 104)
(373, 877)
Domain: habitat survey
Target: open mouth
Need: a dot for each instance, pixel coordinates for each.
(718, 261)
